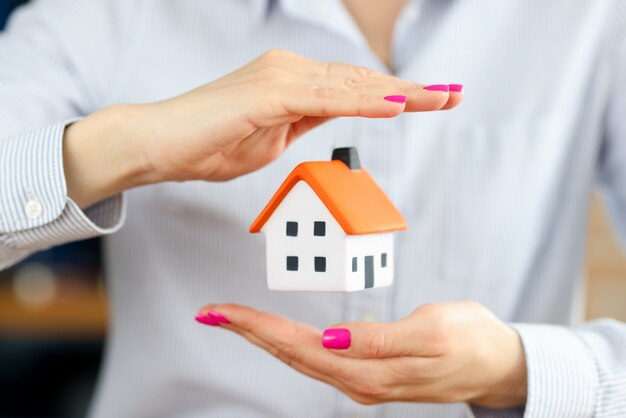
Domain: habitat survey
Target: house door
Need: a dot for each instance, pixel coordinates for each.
(369, 271)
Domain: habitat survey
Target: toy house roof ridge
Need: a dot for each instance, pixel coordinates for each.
(351, 196)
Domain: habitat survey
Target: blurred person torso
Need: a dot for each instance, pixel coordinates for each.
(495, 192)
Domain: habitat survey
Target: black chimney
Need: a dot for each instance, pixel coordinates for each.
(349, 156)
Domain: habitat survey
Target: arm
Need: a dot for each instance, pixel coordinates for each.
(63, 182)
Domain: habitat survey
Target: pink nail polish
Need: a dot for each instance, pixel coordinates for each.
(395, 99)
(437, 87)
(207, 320)
(218, 317)
(336, 338)
(456, 87)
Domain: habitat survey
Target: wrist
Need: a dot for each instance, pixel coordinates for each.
(507, 385)
(103, 155)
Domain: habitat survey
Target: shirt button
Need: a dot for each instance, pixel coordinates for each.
(34, 209)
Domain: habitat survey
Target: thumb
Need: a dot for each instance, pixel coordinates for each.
(368, 340)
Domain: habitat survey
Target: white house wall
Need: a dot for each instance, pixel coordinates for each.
(303, 206)
(363, 245)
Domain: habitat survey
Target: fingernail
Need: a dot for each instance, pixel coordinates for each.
(336, 338)
(395, 99)
(218, 317)
(456, 87)
(437, 87)
(207, 320)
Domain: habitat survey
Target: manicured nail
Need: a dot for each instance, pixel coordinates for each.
(456, 87)
(218, 317)
(395, 99)
(207, 320)
(437, 87)
(336, 338)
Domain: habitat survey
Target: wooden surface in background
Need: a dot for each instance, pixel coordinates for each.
(606, 268)
(78, 311)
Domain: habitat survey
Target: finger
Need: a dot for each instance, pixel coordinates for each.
(426, 98)
(271, 345)
(420, 97)
(298, 346)
(338, 96)
(455, 96)
(366, 340)
(364, 384)
(364, 75)
(286, 357)
(290, 341)
(368, 381)
(415, 103)
(337, 99)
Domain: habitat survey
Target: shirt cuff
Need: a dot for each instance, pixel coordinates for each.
(73, 224)
(35, 211)
(32, 182)
(562, 375)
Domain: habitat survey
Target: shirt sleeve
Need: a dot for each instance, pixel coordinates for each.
(54, 57)
(562, 377)
(572, 372)
(35, 212)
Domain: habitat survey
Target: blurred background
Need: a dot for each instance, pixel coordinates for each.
(53, 316)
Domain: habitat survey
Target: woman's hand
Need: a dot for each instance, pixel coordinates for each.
(231, 126)
(447, 352)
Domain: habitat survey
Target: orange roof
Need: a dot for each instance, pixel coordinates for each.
(351, 196)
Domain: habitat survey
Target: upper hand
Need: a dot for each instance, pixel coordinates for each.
(447, 352)
(246, 119)
(229, 127)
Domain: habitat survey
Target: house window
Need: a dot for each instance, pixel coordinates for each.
(354, 266)
(319, 228)
(292, 263)
(292, 229)
(383, 260)
(320, 263)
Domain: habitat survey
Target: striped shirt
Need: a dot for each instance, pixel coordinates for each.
(495, 192)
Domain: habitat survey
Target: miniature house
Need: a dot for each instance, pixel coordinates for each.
(329, 227)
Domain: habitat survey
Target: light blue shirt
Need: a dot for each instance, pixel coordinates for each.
(495, 192)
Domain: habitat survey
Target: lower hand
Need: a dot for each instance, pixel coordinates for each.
(445, 352)
(231, 126)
